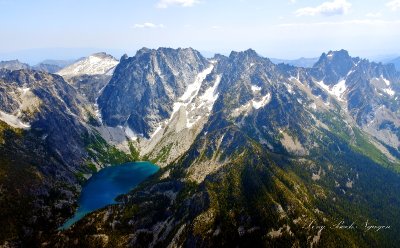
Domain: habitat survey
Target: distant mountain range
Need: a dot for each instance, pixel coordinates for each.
(396, 63)
(301, 62)
(309, 62)
(254, 152)
(50, 66)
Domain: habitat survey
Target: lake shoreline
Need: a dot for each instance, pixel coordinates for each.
(104, 186)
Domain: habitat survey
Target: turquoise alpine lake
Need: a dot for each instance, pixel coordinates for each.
(104, 186)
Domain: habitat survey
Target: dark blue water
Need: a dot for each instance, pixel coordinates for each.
(104, 186)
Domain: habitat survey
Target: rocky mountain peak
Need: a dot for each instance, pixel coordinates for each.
(340, 57)
(218, 56)
(95, 64)
(144, 88)
(249, 53)
(187, 55)
(142, 50)
(341, 54)
(334, 65)
(13, 65)
(247, 58)
(102, 55)
(124, 57)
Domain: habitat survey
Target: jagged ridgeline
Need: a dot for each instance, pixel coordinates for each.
(252, 153)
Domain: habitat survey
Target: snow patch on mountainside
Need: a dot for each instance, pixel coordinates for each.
(13, 120)
(27, 102)
(306, 88)
(255, 88)
(387, 82)
(337, 90)
(202, 105)
(130, 133)
(389, 91)
(256, 103)
(210, 95)
(289, 88)
(156, 131)
(190, 112)
(98, 112)
(186, 101)
(99, 63)
(193, 89)
(264, 101)
(382, 84)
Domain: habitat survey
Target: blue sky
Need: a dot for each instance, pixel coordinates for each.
(281, 29)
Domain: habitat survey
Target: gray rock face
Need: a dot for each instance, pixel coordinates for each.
(52, 108)
(369, 91)
(333, 66)
(90, 86)
(143, 88)
(266, 99)
(42, 125)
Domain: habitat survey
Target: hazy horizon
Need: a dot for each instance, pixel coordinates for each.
(289, 29)
(36, 56)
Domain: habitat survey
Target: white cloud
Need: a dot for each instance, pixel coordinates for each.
(184, 3)
(216, 27)
(149, 25)
(369, 22)
(394, 5)
(292, 1)
(337, 7)
(374, 15)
